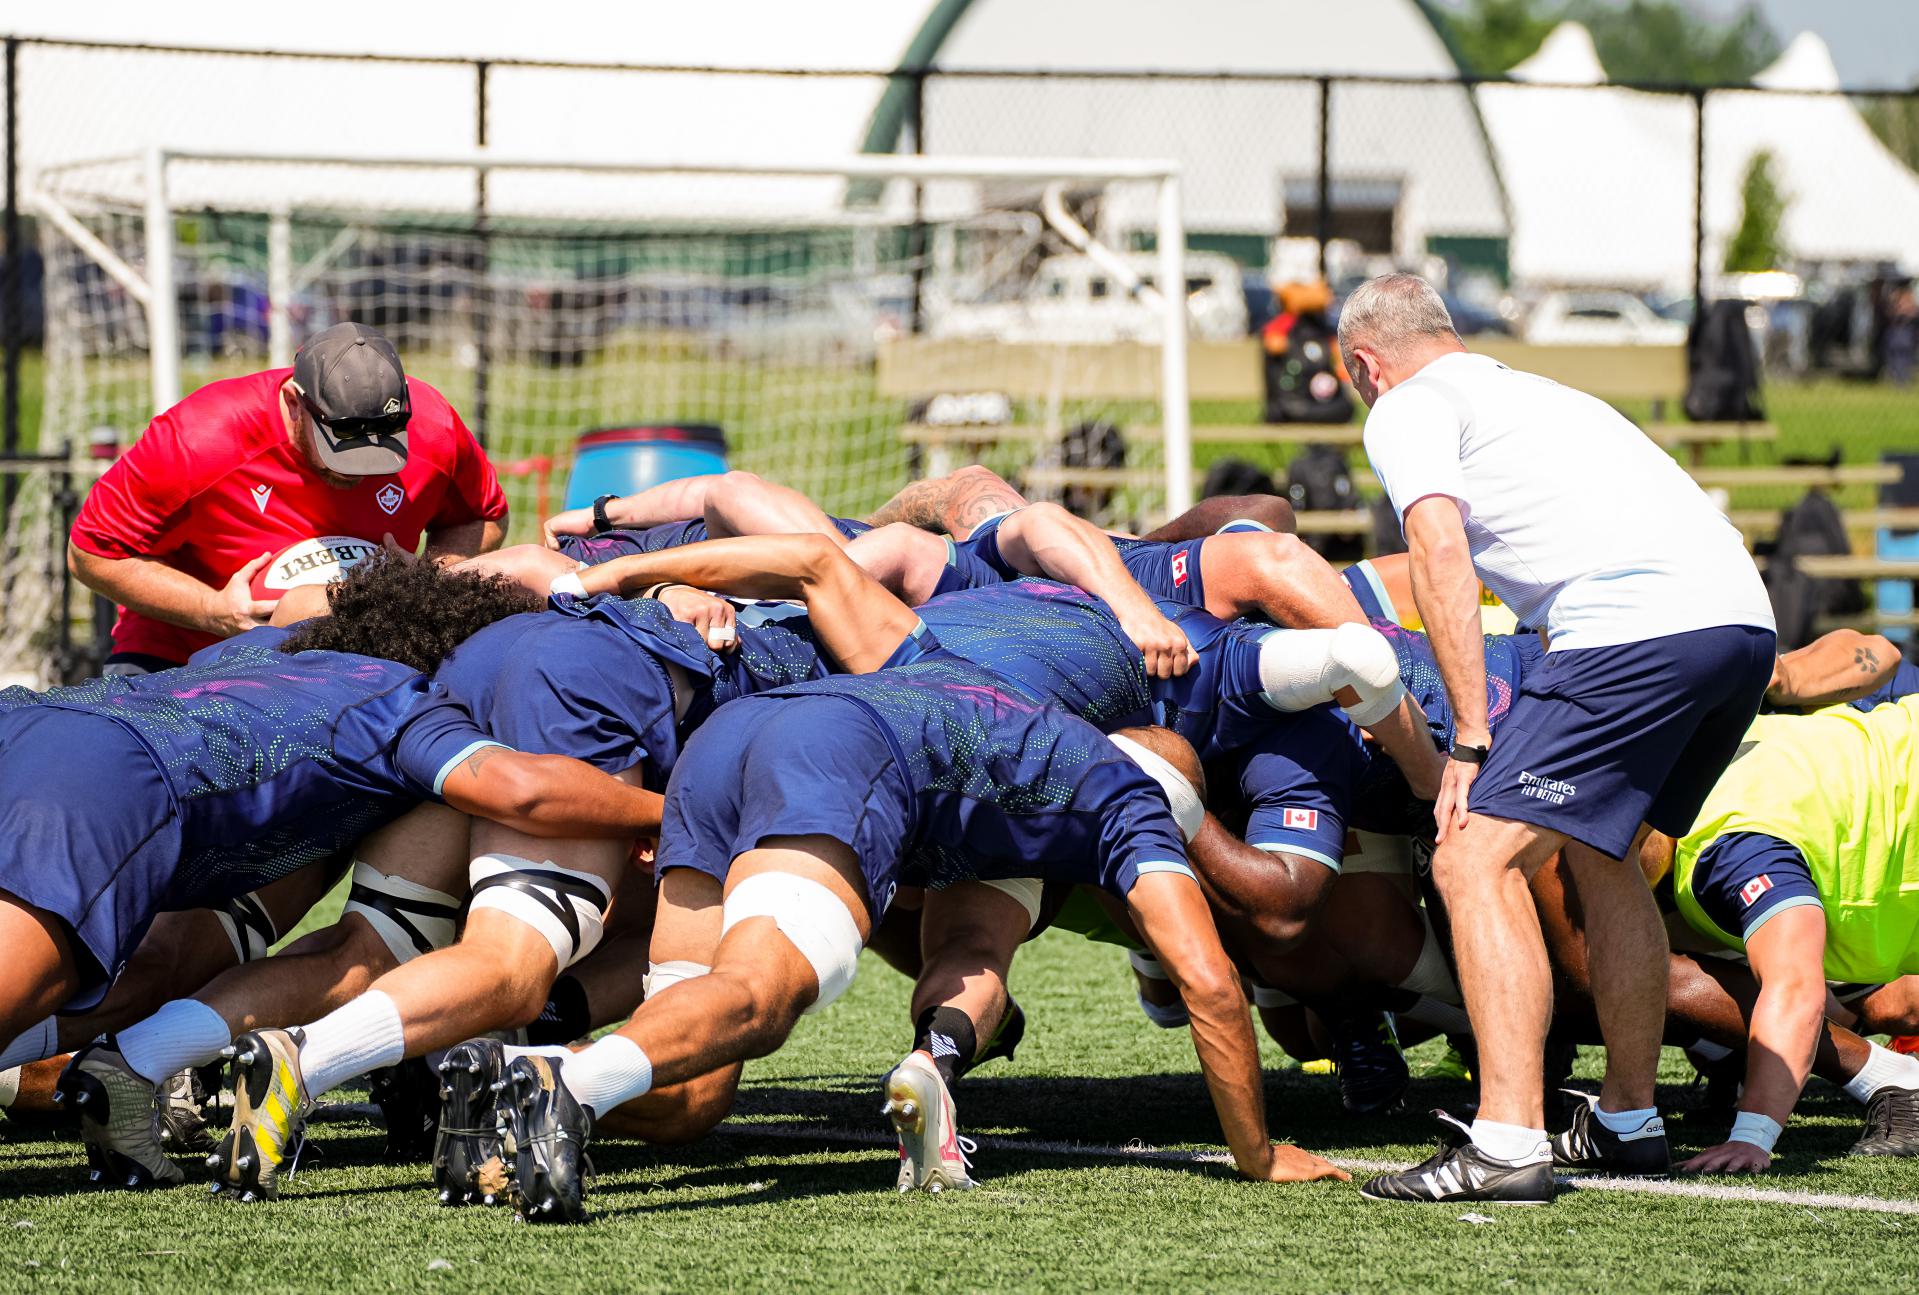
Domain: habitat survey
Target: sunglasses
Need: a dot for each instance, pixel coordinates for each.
(341, 430)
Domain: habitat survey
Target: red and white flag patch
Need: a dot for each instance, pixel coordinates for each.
(1179, 566)
(1299, 820)
(1752, 890)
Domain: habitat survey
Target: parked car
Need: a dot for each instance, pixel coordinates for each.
(1075, 299)
(1599, 318)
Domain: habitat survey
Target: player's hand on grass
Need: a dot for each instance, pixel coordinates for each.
(574, 521)
(1730, 1158)
(1167, 651)
(1286, 1163)
(234, 609)
(712, 617)
(1455, 786)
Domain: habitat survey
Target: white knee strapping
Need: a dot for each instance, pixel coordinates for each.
(809, 915)
(1300, 669)
(409, 918)
(1267, 996)
(1189, 811)
(1430, 974)
(567, 908)
(1024, 891)
(9, 1085)
(661, 975)
(248, 926)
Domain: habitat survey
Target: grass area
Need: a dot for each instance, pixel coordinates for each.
(747, 1211)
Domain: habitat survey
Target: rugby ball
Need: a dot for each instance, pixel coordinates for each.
(310, 562)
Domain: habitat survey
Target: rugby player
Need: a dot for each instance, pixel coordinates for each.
(792, 819)
(1661, 647)
(1806, 857)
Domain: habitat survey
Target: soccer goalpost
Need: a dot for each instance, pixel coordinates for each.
(546, 296)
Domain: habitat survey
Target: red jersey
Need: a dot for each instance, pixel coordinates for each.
(214, 482)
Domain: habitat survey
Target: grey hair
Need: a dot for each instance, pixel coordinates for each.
(1390, 313)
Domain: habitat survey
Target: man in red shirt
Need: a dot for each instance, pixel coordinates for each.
(340, 451)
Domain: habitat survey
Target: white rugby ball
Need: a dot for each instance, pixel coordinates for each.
(317, 561)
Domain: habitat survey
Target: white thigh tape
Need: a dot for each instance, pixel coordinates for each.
(9, 1085)
(1267, 996)
(810, 916)
(409, 918)
(248, 925)
(568, 582)
(661, 975)
(566, 907)
(1027, 892)
(1146, 964)
(1430, 975)
(1188, 810)
(1300, 669)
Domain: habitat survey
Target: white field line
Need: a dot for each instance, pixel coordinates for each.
(1141, 1151)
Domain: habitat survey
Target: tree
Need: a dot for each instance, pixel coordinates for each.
(1659, 41)
(1895, 119)
(1490, 36)
(1757, 244)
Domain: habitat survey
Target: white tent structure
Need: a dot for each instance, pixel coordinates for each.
(1601, 179)
(1849, 200)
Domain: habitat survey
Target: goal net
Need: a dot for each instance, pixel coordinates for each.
(846, 325)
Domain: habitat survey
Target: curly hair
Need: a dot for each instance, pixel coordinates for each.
(413, 612)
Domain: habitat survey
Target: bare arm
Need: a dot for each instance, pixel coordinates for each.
(1446, 591)
(954, 503)
(1046, 540)
(1788, 956)
(155, 589)
(1178, 927)
(550, 795)
(1208, 515)
(857, 622)
(679, 500)
(450, 544)
(1841, 666)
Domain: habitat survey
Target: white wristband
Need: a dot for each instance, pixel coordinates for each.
(570, 583)
(1761, 1131)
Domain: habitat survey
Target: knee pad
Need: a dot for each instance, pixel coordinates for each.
(409, 918)
(566, 907)
(249, 925)
(811, 917)
(659, 975)
(1300, 669)
(1189, 811)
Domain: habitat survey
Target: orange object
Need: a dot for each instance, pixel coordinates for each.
(1906, 1043)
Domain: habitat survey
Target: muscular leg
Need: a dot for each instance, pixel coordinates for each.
(1275, 576)
(1482, 871)
(968, 935)
(1628, 956)
(38, 974)
(1208, 515)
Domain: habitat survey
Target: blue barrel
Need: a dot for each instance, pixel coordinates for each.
(626, 460)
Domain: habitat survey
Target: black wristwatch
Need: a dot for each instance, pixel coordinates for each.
(1470, 754)
(601, 522)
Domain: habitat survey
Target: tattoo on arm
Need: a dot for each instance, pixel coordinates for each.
(975, 504)
(917, 505)
(1866, 659)
(473, 762)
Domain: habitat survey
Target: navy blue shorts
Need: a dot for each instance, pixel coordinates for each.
(1169, 571)
(1743, 878)
(1603, 738)
(88, 832)
(1370, 592)
(788, 766)
(967, 569)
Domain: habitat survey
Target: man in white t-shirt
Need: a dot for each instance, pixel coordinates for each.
(1660, 647)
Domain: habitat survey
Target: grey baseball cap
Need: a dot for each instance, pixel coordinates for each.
(354, 389)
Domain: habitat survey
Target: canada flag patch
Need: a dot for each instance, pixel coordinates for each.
(390, 497)
(1179, 567)
(1752, 890)
(1299, 820)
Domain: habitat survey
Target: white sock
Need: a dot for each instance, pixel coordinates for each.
(612, 1071)
(1884, 1068)
(9, 1085)
(185, 1032)
(514, 1051)
(364, 1035)
(35, 1043)
(1625, 1121)
(1513, 1143)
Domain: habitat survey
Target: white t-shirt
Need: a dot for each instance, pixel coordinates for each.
(1576, 520)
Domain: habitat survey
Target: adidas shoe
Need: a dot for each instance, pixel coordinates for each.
(1588, 1144)
(270, 1107)
(467, 1164)
(1892, 1124)
(409, 1097)
(932, 1153)
(119, 1120)
(1460, 1171)
(1372, 1071)
(544, 1132)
